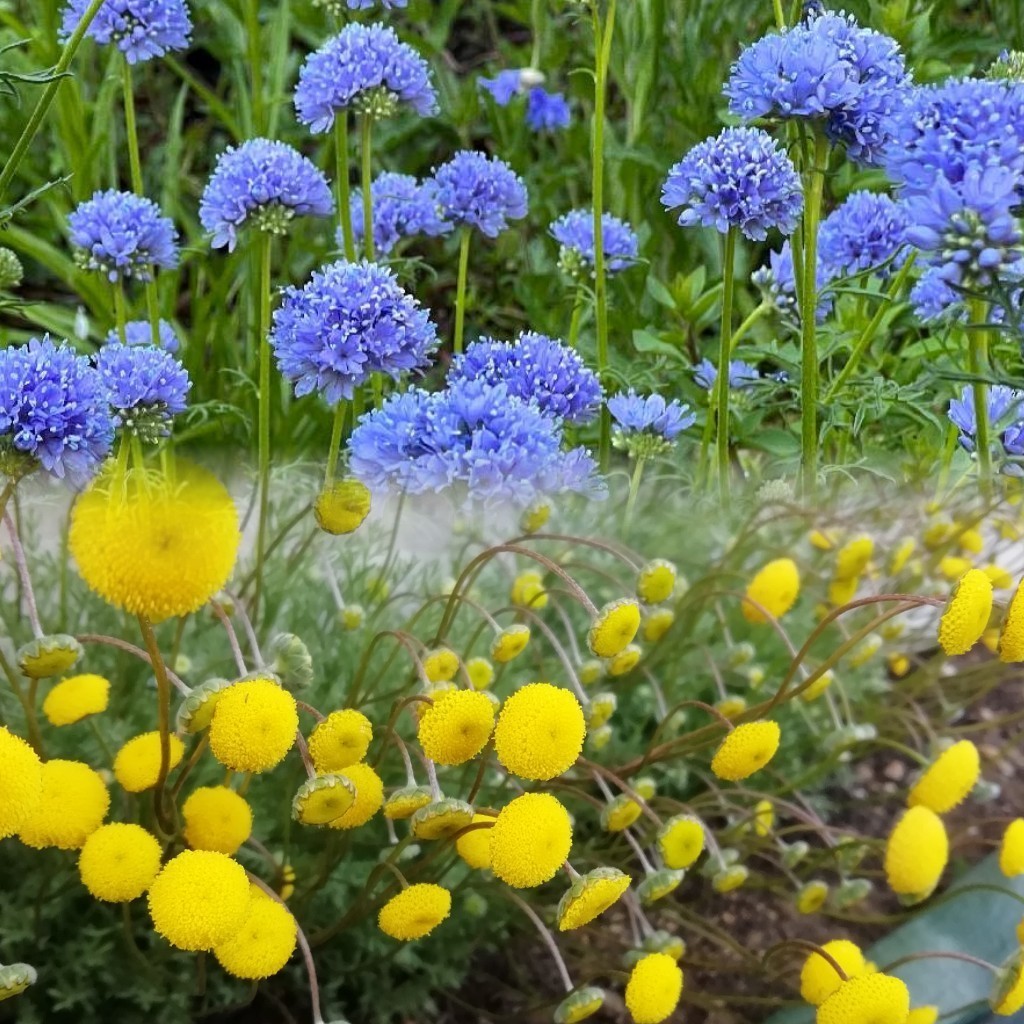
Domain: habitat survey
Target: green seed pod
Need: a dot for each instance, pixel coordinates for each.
(323, 799)
(196, 710)
(659, 885)
(289, 658)
(49, 655)
(583, 1003)
(851, 892)
(11, 271)
(441, 819)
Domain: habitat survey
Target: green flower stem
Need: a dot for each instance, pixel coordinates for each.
(547, 938)
(332, 453)
(366, 153)
(780, 17)
(341, 184)
(460, 290)
(741, 332)
(46, 99)
(120, 311)
(252, 38)
(724, 351)
(814, 188)
(163, 708)
(265, 254)
(634, 490)
(603, 34)
(977, 364)
(577, 316)
(868, 335)
(537, 27)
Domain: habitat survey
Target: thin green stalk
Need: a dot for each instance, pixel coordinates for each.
(366, 154)
(780, 17)
(977, 363)
(537, 27)
(163, 711)
(42, 107)
(577, 316)
(342, 186)
(120, 312)
(634, 490)
(332, 453)
(741, 332)
(35, 738)
(255, 57)
(724, 351)
(460, 290)
(265, 255)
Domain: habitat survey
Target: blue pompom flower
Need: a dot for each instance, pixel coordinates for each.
(338, 7)
(146, 386)
(477, 191)
(574, 232)
(648, 425)
(738, 179)
(741, 374)
(54, 412)
(123, 235)
(140, 29)
(402, 208)
(139, 332)
(265, 182)
(546, 111)
(350, 320)
(869, 229)
(365, 67)
(534, 367)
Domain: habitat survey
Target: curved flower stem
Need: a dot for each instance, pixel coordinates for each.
(724, 351)
(236, 650)
(23, 574)
(342, 186)
(577, 315)
(265, 255)
(811, 948)
(366, 154)
(332, 453)
(163, 708)
(460, 290)
(545, 934)
(537, 28)
(780, 17)
(977, 364)
(138, 652)
(741, 332)
(252, 38)
(634, 490)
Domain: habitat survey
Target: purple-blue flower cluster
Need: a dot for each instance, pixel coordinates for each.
(574, 232)
(146, 387)
(123, 235)
(546, 111)
(534, 368)
(366, 67)
(266, 182)
(827, 69)
(54, 412)
(141, 29)
(402, 207)
(738, 179)
(365, 5)
(504, 87)
(741, 374)
(1004, 405)
(478, 191)
(651, 415)
(866, 231)
(140, 332)
(348, 321)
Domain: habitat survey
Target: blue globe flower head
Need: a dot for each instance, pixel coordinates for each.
(337, 7)
(574, 232)
(146, 387)
(547, 111)
(534, 368)
(139, 332)
(123, 235)
(777, 283)
(403, 207)
(648, 425)
(350, 320)
(478, 191)
(738, 179)
(969, 231)
(366, 68)
(140, 29)
(943, 130)
(54, 412)
(263, 182)
(741, 374)
(827, 69)
(868, 230)
(504, 87)
(1004, 404)
(935, 300)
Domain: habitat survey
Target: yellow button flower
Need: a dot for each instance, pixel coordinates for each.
(253, 725)
(530, 840)
(916, 854)
(867, 999)
(818, 687)
(440, 665)
(657, 624)
(474, 847)
(1011, 633)
(812, 896)
(1011, 849)
(818, 978)
(625, 661)
(590, 896)
(953, 566)
(76, 698)
(456, 726)
(480, 672)
(73, 803)
(775, 587)
(948, 780)
(540, 732)
(618, 815)
(613, 629)
(823, 540)
(137, 764)
(656, 581)
(405, 802)
(730, 878)
(842, 592)
(901, 555)
(118, 862)
(578, 1006)
(369, 796)
(654, 988)
(967, 613)
(323, 799)
(680, 841)
(47, 656)
(1001, 579)
(764, 817)
(342, 507)
(923, 1015)
(216, 818)
(528, 590)
(196, 711)
(535, 517)
(341, 739)
(415, 911)
(263, 943)
(853, 557)
(746, 749)
(441, 819)
(22, 787)
(1008, 996)
(510, 643)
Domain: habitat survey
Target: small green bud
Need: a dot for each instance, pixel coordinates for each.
(289, 658)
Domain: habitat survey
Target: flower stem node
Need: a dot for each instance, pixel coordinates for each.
(590, 896)
(289, 659)
(658, 885)
(580, 1005)
(323, 800)
(196, 710)
(47, 656)
(342, 507)
(15, 978)
(441, 819)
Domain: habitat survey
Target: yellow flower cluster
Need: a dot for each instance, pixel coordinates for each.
(530, 840)
(540, 732)
(415, 911)
(76, 698)
(745, 750)
(456, 726)
(340, 740)
(774, 588)
(654, 988)
(253, 725)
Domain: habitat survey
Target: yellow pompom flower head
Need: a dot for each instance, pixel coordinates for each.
(152, 544)
(263, 943)
(415, 911)
(659, 884)
(774, 588)
(405, 802)
(680, 841)
(369, 796)
(580, 1005)
(480, 672)
(216, 818)
(474, 844)
(916, 854)
(614, 627)
(947, 782)
(812, 896)
(48, 656)
(540, 732)
(1011, 849)
(656, 581)
(22, 787)
(76, 698)
(510, 643)
(323, 800)
(601, 707)
(528, 590)
(654, 988)
(1011, 633)
(440, 665)
(657, 624)
(746, 749)
(118, 862)
(73, 803)
(340, 740)
(1008, 993)
(441, 818)
(590, 896)
(819, 977)
(867, 999)
(456, 726)
(967, 613)
(137, 764)
(253, 726)
(853, 557)
(530, 840)
(341, 507)
(535, 517)
(620, 813)
(625, 661)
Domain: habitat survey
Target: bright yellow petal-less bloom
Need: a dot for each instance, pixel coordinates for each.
(456, 726)
(901, 555)
(199, 899)
(405, 802)
(119, 861)
(1000, 577)
(1008, 996)
(625, 661)
(680, 841)
(155, 545)
(916, 854)
(614, 627)
(775, 588)
(842, 592)
(480, 672)
(764, 817)
(579, 1005)
(137, 765)
(510, 643)
(812, 896)
(73, 804)
(654, 988)
(656, 581)
(528, 590)
(747, 749)
(867, 999)
(415, 911)
(1011, 849)
(530, 840)
(475, 847)
(540, 732)
(954, 566)
(369, 796)
(967, 613)
(76, 698)
(590, 896)
(853, 557)
(620, 813)
(923, 1015)
(323, 799)
(342, 507)
(657, 624)
(819, 979)
(948, 780)
(441, 665)
(441, 819)
(340, 740)
(22, 787)
(253, 725)
(263, 943)
(216, 818)
(1011, 633)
